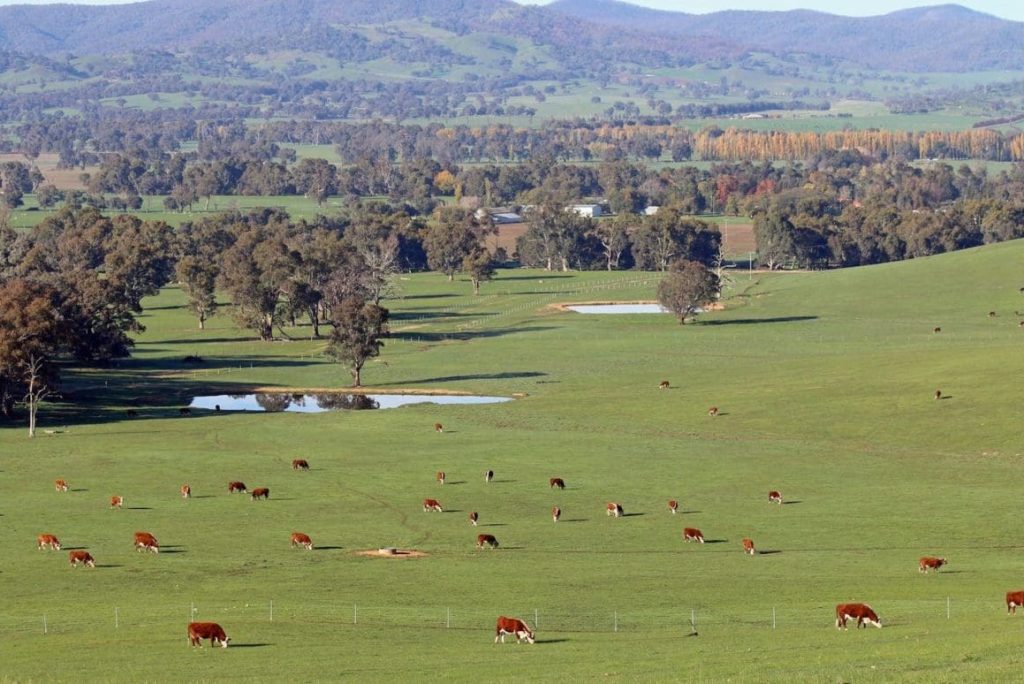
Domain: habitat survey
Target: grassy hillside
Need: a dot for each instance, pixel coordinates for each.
(825, 386)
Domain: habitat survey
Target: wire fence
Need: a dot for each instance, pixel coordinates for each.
(79, 619)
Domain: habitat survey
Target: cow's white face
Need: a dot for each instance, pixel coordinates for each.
(525, 634)
(876, 623)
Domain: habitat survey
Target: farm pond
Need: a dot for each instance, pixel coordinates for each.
(318, 403)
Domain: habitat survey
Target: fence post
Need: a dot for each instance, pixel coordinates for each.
(615, 623)
(117, 618)
(448, 618)
(773, 617)
(192, 612)
(536, 619)
(947, 607)
(693, 620)
(271, 610)
(355, 614)
(45, 630)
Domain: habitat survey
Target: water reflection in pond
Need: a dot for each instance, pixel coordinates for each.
(317, 403)
(618, 308)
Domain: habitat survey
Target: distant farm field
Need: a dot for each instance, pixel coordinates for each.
(825, 387)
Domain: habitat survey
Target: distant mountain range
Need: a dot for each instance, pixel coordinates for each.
(573, 32)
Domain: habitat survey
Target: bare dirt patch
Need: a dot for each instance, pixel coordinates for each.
(63, 179)
(388, 552)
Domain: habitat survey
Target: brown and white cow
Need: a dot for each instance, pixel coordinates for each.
(861, 611)
(438, 427)
(473, 517)
(693, 534)
(556, 513)
(488, 476)
(116, 501)
(774, 497)
(513, 626)
(930, 563)
(1013, 600)
(83, 557)
(197, 631)
(300, 539)
(713, 411)
(440, 476)
(47, 540)
(237, 487)
(60, 485)
(613, 509)
(300, 464)
(144, 541)
(260, 493)
(556, 482)
(186, 491)
(673, 506)
(936, 329)
(432, 505)
(483, 540)
(938, 394)
(748, 546)
(663, 384)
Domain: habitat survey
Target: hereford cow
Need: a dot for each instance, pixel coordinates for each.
(556, 482)
(673, 506)
(82, 557)
(1014, 599)
(692, 534)
(473, 517)
(440, 477)
(488, 476)
(991, 314)
(197, 631)
(663, 384)
(613, 509)
(483, 540)
(748, 546)
(60, 485)
(300, 464)
(432, 505)
(300, 539)
(116, 501)
(234, 487)
(936, 329)
(144, 541)
(556, 513)
(929, 563)
(774, 497)
(47, 540)
(260, 493)
(513, 626)
(438, 427)
(713, 411)
(938, 394)
(862, 611)
(186, 491)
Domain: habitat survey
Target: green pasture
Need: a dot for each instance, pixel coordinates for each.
(824, 383)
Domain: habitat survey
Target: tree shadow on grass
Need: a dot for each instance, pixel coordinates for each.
(754, 321)
(546, 276)
(464, 336)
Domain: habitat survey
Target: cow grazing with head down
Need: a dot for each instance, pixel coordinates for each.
(197, 631)
(556, 482)
(432, 505)
(938, 394)
(47, 540)
(186, 492)
(1013, 600)
(774, 497)
(438, 427)
(488, 540)
(440, 476)
(556, 513)
(930, 563)
(60, 485)
(300, 464)
(613, 509)
(473, 517)
(936, 329)
(260, 493)
(693, 534)
(673, 506)
(861, 611)
(713, 411)
(83, 557)
(515, 627)
(663, 384)
(144, 541)
(748, 546)
(237, 487)
(303, 540)
(116, 501)
(488, 476)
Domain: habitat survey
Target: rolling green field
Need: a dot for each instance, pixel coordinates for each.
(825, 386)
